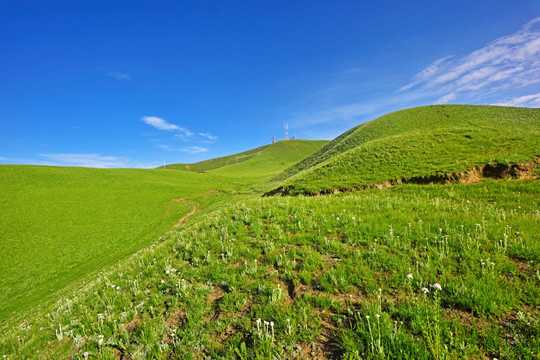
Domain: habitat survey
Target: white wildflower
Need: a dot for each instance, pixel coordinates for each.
(425, 290)
(100, 341)
(436, 286)
(409, 276)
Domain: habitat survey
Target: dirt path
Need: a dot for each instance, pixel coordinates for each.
(194, 208)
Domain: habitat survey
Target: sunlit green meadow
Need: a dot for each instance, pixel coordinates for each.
(57, 225)
(413, 272)
(416, 142)
(408, 272)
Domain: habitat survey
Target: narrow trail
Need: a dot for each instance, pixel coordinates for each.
(194, 208)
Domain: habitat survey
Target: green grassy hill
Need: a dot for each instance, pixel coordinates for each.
(416, 271)
(216, 163)
(61, 224)
(418, 142)
(275, 155)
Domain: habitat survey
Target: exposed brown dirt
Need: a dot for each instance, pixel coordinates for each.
(132, 325)
(177, 318)
(467, 319)
(473, 175)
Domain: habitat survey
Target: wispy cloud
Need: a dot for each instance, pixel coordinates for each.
(532, 100)
(341, 113)
(159, 123)
(195, 149)
(162, 124)
(505, 68)
(189, 150)
(208, 135)
(95, 161)
(512, 61)
(120, 76)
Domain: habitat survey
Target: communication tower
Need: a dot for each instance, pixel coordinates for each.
(286, 131)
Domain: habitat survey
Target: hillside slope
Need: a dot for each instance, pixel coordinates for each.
(216, 163)
(416, 272)
(277, 154)
(60, 224)
(417, 142)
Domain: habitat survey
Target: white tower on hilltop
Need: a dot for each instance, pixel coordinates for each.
(286, 131)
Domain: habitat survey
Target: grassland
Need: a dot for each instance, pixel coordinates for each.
(409, 272)
(417, 142)
(342, 276)
(58, 225)
(216, 163)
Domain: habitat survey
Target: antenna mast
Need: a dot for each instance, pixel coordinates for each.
(273, 139)
(286, 131)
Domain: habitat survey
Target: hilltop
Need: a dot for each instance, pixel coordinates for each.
(418, 143)
(216, 163)
(280, 153)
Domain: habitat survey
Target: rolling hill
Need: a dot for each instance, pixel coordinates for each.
(418, 142)
(276, 155)
(420, 270)
(61, 224)
(216, 163)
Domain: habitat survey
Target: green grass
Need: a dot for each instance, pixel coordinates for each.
(216, 163)
(332, 275)
(409, 272)
(285, 151)
(59, 225)
(419, 142)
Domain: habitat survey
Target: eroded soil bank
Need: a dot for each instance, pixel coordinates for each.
(524, 170)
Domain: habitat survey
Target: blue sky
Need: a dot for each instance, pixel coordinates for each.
(135, 83)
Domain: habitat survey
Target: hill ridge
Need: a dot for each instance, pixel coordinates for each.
(421, 141)
(496, 171)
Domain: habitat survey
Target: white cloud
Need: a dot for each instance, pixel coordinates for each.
(208, 136)
(339, 113)
(95, 161)
(532, 100)
(183, 134)
(159, 123)
(512, 61)
(120, 76)
(190, 149)
(446, 98)
(162, 124)
(195, 149)
(496, 70)
(436, 67)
